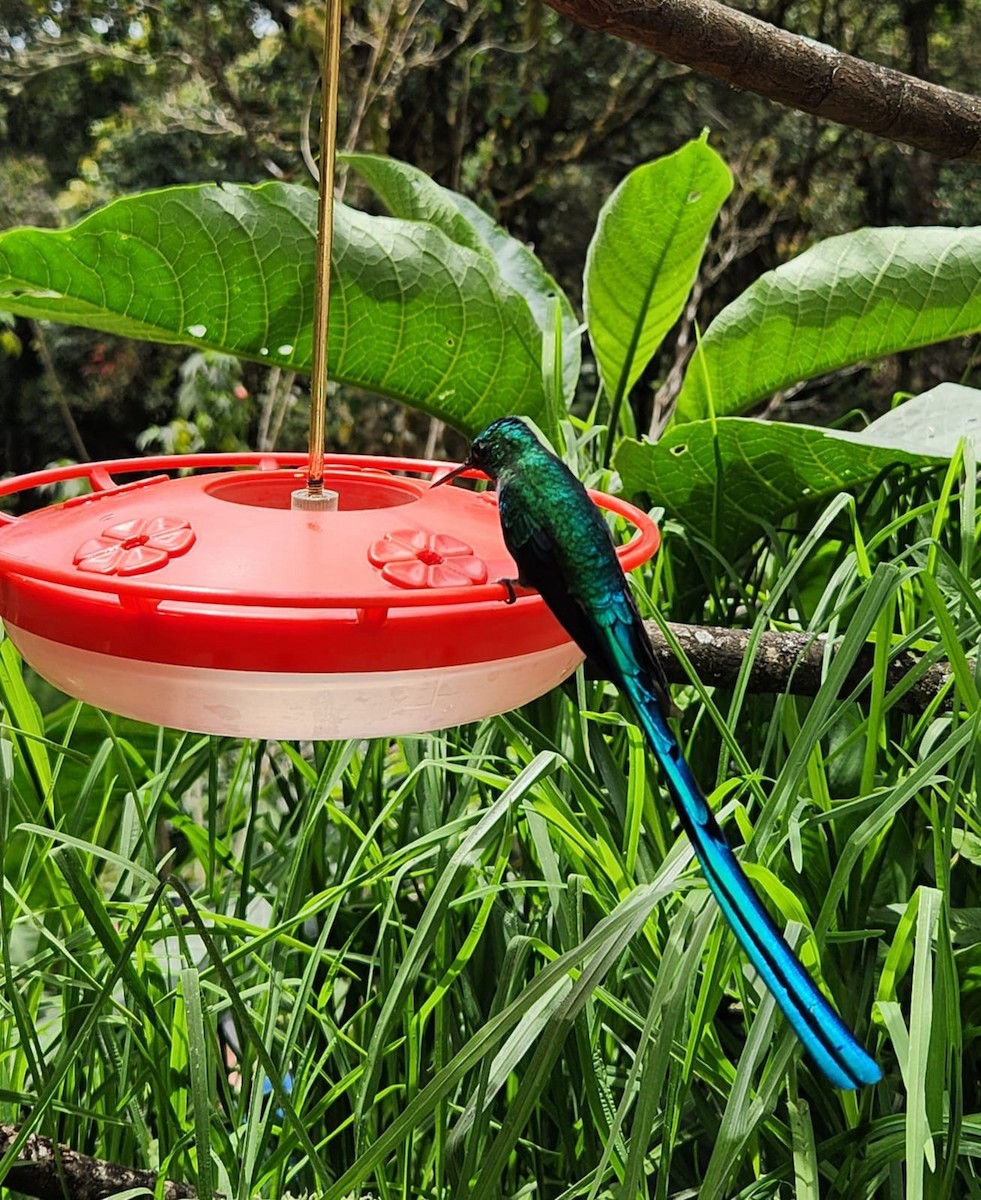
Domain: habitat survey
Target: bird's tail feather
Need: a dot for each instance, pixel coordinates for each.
(815, 1022)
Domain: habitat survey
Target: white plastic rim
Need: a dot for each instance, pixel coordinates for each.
(314, 707)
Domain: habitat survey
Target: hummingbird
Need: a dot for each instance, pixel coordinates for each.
(564, 549)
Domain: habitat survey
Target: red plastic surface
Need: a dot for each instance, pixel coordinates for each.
(216, 570)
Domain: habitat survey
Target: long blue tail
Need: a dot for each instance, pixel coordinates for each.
(815, 1022)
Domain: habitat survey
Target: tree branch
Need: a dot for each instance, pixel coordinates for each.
(751, 55)
(785, 662)
(50, 1171)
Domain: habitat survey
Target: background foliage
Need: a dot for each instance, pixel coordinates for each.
(531, 117)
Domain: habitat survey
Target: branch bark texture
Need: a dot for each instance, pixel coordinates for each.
(51, 1172)
(754, 56)
(785, 662)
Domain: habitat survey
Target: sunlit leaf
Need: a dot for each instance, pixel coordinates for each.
(848, 299)
(414, 315)
(644, 257)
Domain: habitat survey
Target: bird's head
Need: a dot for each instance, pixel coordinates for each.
(499, 446)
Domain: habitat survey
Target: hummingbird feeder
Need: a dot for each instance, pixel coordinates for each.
(282, 595)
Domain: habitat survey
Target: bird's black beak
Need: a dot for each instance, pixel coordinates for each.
(451, 475)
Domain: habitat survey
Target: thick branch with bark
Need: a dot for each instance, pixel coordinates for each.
(754, 56)
(784, 662)
(52, 1172)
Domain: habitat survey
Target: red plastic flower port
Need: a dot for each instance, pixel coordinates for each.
(134, 547)
(416, 558)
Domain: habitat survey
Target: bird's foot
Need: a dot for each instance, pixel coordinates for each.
(509, 584)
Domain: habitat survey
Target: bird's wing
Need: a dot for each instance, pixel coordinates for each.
(534, 548)
(624, 639)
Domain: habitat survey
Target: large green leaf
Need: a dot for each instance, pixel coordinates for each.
(414, 314)
(644, 256)
(725, 479)
(410, 193)
(850, 298)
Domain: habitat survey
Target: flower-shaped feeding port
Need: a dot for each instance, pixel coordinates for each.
(416, 558)
(204, 602)
(135, 547)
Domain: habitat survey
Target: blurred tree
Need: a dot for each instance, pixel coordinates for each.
(528, 113)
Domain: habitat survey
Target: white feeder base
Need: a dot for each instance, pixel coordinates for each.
(260, 704)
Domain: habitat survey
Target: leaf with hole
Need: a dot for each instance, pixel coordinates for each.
(727, 479)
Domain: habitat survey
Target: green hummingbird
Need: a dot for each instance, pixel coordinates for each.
(564, 549)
